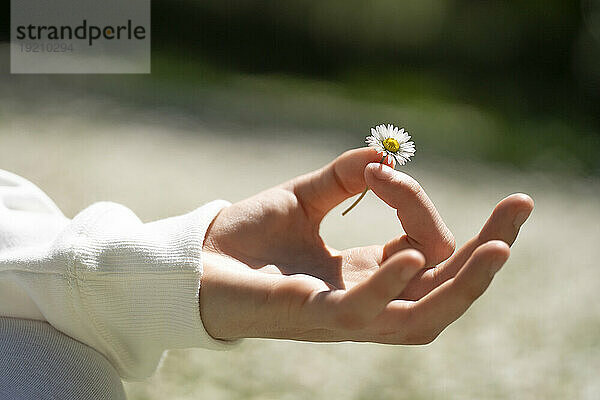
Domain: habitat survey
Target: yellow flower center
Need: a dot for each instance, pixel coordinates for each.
(391, 144)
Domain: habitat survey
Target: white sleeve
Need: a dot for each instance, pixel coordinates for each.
(127, 289)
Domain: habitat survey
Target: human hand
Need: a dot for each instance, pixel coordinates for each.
(268, 273)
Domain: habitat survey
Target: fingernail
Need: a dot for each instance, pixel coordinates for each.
(520, 218)
(383, 172)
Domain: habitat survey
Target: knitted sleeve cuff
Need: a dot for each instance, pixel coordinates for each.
(133, 288)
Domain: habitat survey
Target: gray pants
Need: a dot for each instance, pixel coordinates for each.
(39, 362)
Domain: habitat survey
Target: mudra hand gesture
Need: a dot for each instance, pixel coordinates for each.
(268, 273)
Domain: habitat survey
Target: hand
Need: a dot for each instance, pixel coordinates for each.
(268, 273)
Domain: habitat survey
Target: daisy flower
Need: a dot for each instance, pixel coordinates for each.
(394, 144)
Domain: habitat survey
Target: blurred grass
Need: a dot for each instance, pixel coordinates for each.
(514, 83)
(428, 105)
(531, 72)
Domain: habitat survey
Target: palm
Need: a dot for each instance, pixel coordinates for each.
(285, 239)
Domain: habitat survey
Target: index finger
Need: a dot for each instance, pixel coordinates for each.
(424, 227)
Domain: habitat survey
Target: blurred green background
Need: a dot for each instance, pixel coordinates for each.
(499, 97)
(500, 81)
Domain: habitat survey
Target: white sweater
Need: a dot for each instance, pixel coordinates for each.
(127, 289)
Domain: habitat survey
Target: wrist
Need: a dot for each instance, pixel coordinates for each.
(233, 298)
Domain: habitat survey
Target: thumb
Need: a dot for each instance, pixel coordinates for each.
(321, 190)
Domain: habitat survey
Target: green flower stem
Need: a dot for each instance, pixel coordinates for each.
(361, 195)
(356, 202)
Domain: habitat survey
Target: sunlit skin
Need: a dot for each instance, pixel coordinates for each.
(268, 273)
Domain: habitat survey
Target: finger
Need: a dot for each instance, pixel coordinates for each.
(434, 312)
(503, 224)
(425, 229)
(321, 190)
(356, 307)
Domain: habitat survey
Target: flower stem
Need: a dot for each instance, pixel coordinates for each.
(362, 194)
(356, 202)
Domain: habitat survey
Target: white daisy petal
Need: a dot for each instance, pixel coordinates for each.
(374, 133)
(399, 153)
(378, 130)
(377, 134)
